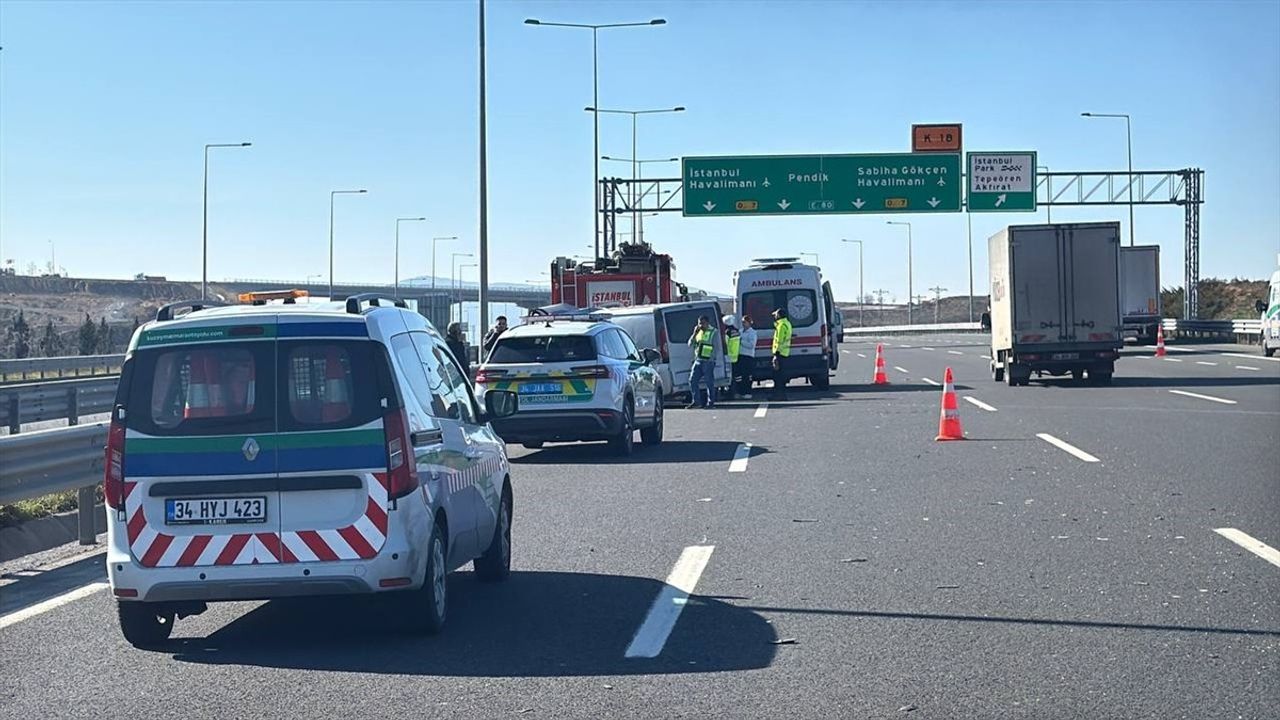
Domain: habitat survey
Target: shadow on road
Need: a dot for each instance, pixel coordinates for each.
(536, 624)
(670, 451)
(28, 587)
(1100, 624)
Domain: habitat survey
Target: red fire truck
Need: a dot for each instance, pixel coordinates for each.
(635, 275)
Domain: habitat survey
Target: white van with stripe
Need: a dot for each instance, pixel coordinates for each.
(292, 449)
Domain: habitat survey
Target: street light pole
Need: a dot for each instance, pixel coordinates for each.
(453, 278)
(332, 193)
(1128, 133)
(595, 101)
(638, 200)
(635, 163)
(204, 232)
(397, 260)
(910, 286)
(462, 268)
(433, 257)
(860, 291)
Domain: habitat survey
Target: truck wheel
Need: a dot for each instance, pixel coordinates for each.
(821, 382)
(1077, 375)
(997, 372)
(1011, 375)
(1099, 378)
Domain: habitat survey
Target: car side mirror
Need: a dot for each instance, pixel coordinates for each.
(1260, 306)
(651, 356)
(500, 404)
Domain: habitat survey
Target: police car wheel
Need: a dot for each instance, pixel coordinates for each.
(652, 435)
(145, 625)
(624, 443)
(428, 606)
(495, 564)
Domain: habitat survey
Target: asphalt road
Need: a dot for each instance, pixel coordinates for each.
(850, 567)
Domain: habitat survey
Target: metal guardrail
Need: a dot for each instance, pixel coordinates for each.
(59, 367)
(907, 329)
(50, 461)
(1246, 330)
(55, 400)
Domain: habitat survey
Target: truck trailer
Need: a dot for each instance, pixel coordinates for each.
(1140, 309)
(1055, 301)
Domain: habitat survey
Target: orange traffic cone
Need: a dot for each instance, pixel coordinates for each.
(1160, 341)
(881, 378)
(949, 422)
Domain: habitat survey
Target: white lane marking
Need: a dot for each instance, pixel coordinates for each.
(1202, 362)
(988, 357)
(1252, 544)
(1198, 396)
(760, 411)
(1172, 348)
(846, 352)
(1169, 359)
(927, 348)
(1252, 357)
(661, 620)
(52, 603)
(740, 458)
(932, 382)
(1068, 447)
(1247, 367)
(954, 352)
(901, 369)
(861, 355)
(979, 403)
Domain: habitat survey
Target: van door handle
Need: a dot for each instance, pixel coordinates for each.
(423, 438)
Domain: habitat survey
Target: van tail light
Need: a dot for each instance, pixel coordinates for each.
(591, 371)
(113, 473)
(825, 347)
(1029, 358)
(663, 349)
(402, 467)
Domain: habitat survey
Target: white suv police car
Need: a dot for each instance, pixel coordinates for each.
(289, 449)
(577, 379)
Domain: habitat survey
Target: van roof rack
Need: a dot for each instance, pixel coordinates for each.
(169, 312)
(372, 300)
(774, 261)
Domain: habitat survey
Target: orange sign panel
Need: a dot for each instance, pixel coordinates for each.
(936, 138)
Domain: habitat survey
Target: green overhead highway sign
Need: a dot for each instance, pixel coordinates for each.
(1002, 181)
(821, 184)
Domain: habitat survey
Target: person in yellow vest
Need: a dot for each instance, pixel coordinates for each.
(703, 342)
(732, 348)
(781, 353)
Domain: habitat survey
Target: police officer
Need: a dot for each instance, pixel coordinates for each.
(703, 342)
(733, 347)
(781, 353)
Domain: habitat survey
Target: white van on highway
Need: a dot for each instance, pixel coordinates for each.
(772, 283)
(666, 327)
(1270, 311)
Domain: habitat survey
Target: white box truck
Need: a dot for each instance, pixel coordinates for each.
(1055, 301)
(1140, 309)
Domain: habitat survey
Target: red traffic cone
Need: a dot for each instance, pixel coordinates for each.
(1160, 341)
(881, 378)
(949, 422)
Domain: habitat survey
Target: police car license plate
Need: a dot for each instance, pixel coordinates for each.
(215, 511)
(551, 388)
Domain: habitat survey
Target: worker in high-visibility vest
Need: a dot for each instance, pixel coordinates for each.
(781, 353)
(733, 348)
(703, 342)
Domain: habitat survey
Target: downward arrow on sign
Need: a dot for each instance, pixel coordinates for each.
(933, 202)
(709, 206)
(784, 204)
(858, 203)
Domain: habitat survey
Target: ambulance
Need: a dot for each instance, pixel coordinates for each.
(785, 282)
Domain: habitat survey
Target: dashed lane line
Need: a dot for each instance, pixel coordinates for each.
(740, 458)
(932, 382)
(1210, 364)
(901, 369)
(1067, 447)
(975, 401)
(1198, 396)
(954, 352)
(861, 355)
(927, 348)
(1252, 357)
(52, 603)
(762, 410)
(1248, 367)
(661, 619)
(1252, 544)
(1169, 359)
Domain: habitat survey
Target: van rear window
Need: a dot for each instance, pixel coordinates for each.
(255, 387)
(801, 305)
(543, 349)
(680, 323)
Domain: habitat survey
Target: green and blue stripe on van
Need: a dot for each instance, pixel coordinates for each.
(356, 449)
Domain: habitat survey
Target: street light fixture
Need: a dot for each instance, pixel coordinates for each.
(397, 261)
(635, 164)
(860, 292)
(909, 278)
(332, 193)
(1128, 133)
(434, 240)
(595, 82)
(204, 232)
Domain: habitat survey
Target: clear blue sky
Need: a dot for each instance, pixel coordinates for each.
(105, 107)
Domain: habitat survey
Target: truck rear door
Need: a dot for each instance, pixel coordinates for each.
(1038, 286)
(1091, 275)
